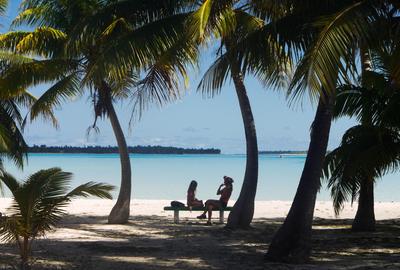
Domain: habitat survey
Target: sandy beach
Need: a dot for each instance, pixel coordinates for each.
(152, 241)
(263, 209)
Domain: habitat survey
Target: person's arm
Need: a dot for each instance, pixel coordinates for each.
(190, 198)
(219, 191)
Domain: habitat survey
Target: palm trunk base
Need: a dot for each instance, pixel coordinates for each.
(364, 224)
(292, 242)
(364, 220)
(119, 213)
(241, 215)
(25, 266)
(299, 255)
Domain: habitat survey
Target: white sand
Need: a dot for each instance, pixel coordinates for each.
(264, 209)
(151, 240)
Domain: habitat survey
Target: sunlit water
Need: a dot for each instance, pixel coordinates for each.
(167, 176)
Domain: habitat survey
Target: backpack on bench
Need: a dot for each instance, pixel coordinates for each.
(177, 204)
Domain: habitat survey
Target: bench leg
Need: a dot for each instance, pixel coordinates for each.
(221, 216)
(176, 216)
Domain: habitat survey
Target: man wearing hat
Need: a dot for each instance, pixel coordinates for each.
(225, 190)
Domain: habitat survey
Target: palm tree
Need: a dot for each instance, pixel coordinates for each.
(322, 33)
(243, 210)
(232, 24)
(38, 205)
(365, 154)
(370, 149)
(101, 46)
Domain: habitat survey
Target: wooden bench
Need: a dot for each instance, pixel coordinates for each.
(202, 209)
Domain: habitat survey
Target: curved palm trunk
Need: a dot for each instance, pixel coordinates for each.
(292, 242)
(243, 210)
(120, 212)
(365, 217)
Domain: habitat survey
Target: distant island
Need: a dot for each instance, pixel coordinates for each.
(286, 152)
(114, 150)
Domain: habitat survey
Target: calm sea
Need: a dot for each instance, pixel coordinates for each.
(167, 176)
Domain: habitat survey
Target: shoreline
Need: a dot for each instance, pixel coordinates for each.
(263, 209)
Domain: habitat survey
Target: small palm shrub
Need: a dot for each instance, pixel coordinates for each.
(38, 205)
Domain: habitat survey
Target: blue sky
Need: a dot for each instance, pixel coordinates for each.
(191, 122)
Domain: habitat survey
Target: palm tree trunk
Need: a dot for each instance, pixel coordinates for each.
(364, 220)
(120, 212)
(292, 242)
(365, 217)
(243, 210)
(25, 254)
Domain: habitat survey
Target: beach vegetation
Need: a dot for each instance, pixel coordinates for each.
(38, 205)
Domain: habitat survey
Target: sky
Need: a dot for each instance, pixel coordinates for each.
(193, 121)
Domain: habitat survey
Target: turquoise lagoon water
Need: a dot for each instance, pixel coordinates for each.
(167, 176)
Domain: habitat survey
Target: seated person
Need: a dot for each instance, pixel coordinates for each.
(225, 190)
(191, 196)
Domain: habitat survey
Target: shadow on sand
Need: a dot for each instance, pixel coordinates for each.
(153, 242)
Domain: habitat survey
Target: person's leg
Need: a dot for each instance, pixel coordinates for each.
(209, 208)
(212, 204)
(205, 211)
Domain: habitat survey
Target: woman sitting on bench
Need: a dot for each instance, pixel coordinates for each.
(192, 201)
(225, 190)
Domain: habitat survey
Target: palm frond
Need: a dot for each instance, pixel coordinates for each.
(12, 143)
(63, 90)
(14, 58)
(365, 152)
(162, 81)
(135, 50)
(99, 190)
(199, 19)
(10, 181)
(30, 16)
(329, 58)
(43, 42)
(19, 77)
(215, 77)
(211, 17)
(3, 6)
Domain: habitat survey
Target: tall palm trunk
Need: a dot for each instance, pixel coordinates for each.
(292, 242)
(243, 210)
(365, 217)
(120, 212)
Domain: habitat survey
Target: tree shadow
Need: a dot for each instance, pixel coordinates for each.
(154, 242)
